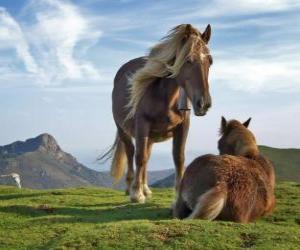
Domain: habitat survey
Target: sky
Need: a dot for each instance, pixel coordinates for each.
(58, 59)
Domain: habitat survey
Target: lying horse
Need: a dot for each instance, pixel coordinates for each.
(237, 185)
(145, 102)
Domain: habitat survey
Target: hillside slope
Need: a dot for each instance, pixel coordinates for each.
(97, 218)
(286, 163)
(43, 164)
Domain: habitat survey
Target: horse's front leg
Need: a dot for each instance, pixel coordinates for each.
(141, 158)
(179, 140)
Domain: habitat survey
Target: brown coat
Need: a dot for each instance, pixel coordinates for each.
(228, 187)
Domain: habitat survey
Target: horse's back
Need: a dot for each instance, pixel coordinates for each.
(120, 93)
(239, 176)
(129, 68)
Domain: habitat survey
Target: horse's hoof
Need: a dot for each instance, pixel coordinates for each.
(138, 198)
(147, 192)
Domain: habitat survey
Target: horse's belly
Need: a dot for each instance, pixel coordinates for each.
(163, 129)
(161, 136)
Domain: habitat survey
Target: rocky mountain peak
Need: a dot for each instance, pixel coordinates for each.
(47, 143)
(43, 142)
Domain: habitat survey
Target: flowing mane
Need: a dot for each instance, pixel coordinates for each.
(165, 59)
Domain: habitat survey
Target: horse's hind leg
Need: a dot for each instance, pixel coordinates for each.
(180, 209)
(129, 149)
(141, 158)
(146, 190)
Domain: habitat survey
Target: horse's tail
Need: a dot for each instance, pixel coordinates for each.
(119, 159)
(210, 204)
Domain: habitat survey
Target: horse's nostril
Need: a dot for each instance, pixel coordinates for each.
(200, 103)
(208, 105)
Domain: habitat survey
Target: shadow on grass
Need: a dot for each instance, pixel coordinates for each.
(120, 212)
(20, 196)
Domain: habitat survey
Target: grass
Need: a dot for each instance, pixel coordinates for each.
(94, 218)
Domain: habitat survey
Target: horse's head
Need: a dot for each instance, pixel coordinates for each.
(237, 139)
(193, 74)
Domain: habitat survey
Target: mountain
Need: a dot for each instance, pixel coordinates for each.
(165, 182)
(286, 163)
(42, 164)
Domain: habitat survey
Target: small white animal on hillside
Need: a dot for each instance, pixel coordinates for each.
(16, 178)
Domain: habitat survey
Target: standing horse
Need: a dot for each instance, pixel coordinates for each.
(145, 98)
(238, 187)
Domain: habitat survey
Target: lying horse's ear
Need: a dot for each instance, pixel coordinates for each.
(223, 125)
(246, 123)
(206, 34)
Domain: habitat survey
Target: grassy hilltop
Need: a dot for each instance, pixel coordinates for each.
(94, 218)
(286, 162)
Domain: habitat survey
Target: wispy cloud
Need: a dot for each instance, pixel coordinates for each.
(52, 38)
(238, 7)
(258, 74)
(47, 43)
(223, 8)
(12, 37)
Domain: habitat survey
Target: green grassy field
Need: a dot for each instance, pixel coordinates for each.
(94, 218)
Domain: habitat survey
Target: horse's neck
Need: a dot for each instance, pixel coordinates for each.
(168, 90)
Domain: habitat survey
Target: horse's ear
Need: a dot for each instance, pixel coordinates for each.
(206, 34)
(246, 123)
(223, 125)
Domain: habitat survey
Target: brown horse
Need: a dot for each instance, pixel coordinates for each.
(145, 103)
(237, 187)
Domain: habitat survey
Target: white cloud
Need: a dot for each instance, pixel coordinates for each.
(11, 36)
(258, 73)
(48, 44)
(223, 7)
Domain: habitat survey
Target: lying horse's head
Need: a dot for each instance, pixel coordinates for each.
(193, 73)
(237, 139)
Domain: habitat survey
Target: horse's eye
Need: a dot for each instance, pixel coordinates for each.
(189, 61)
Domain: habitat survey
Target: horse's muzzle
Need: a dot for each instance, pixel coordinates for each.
(201, 106)
(200, 112)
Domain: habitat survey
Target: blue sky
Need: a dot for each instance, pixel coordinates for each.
(58, 60)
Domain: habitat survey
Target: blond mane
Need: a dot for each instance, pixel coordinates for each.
(165, 59)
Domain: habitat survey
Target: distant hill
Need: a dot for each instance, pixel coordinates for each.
(286, 163)
(43, 164)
